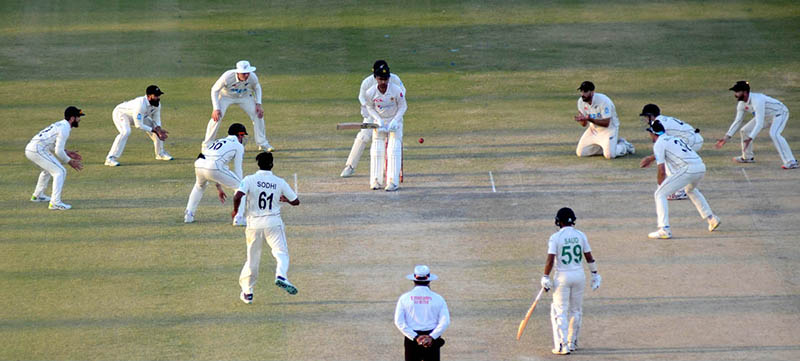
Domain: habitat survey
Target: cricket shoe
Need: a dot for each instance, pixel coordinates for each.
(285, 284)
(41, 198)
(679, 195)
(391, 187)
(59, 206)
(561, 350)
(744, 160)
(164, 156)
(266, 148)
(661, 233)
(713, 223)
(630, 148)
(188, 217)
(347, 172)
(791, 165)
(239, 221)
(111, 162)
(573, 346)
(246, 297)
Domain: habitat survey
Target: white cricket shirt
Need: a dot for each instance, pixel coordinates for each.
(569, 245)
(218, 154)
(139, 109)
(761, 106)
(53, 138)
(677, 154)
(264, 190)
(421, 309)
(229, 85)
(369, 82)
(386, 108)
(676, 128)
(602, 107)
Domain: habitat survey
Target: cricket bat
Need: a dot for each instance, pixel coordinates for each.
(528, 315)
(343, 126)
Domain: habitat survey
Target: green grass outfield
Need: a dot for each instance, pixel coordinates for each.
(491, 87)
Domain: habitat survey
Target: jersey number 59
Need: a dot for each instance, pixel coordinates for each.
(576, 255)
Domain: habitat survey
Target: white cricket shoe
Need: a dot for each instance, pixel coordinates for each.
(347, 172)
(188, 217)
(285, 284)
(41, 198)
(744, 160)
(391, 187)
(629, 147)
(111, 162)
(561, 350)
(713, 223)
(164, 156)
(239, 221)
(59, 206)
(661, 233)
(266, 148)
(573, 346)
(679, 195)
(246, 297)
(791, 165)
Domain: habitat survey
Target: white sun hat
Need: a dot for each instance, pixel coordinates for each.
(423, 274)
(243, 66)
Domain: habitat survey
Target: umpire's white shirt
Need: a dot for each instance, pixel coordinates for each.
(568, 245)
(140, 109)
(761, 106)
(218, 154)
(52, 139)
(677, 154)
(421, 309)
(602, 107)
(230, 86)
(264, 190)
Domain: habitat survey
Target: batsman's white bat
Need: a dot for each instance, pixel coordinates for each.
(342, 126)
(528, 315)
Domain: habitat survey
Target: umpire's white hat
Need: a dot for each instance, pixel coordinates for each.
(243, 66)
(423, 274)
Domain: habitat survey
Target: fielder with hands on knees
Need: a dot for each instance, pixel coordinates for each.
(46, 150)
(145, 113)
(566, 249)
(422, 316)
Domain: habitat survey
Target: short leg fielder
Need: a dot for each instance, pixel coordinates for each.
(680, 179)
(600, 141)
(51, 168)
(247, 104)
(276, 238)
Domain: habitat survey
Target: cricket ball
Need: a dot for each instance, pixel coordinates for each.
(421, 140)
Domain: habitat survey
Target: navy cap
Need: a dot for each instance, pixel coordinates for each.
(741, 85)
(154, 89)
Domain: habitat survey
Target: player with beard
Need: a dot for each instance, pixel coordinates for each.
(602, 134)
(145, 113)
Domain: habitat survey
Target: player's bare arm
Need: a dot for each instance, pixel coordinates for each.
(221, 194)
(662, 173)
(259, 110)
(581, 119)
(237, 200)
(73, 154)
(722, 141)
(75, 164)
(295, 202)
(216, 114)
(647, 161)
(603, 122)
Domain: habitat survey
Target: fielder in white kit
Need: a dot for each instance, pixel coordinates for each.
(765, 110)
(602, 135)
(365, 135)
(570, 246)
(145, 113)
(672, 127)
(46, 150)
(687, 169)
(212, 165)
(386, 105)
(264, 192)
(238, 86)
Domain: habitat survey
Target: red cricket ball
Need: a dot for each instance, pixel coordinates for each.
(421, 140)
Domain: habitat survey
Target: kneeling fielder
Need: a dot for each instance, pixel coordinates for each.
(212, 165)
(386, 105)
(264, 192)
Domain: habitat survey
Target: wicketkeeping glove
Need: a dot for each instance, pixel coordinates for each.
(596, 280)
(546, 284)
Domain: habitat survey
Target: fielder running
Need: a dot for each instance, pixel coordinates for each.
(422, 316)
(46, 150)
(365, 135)
(672, 127)
(687, 169)
(765, 110)
(602, 135)
(212, 165)
(145, 113)
(570, 246)
(264, 192)
(238, 86)
(386, 105)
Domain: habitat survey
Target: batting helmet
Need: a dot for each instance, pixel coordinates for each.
(378, 64)
(650, 109)
(656, 127)
(381, 71)
(236, 129)
(565, 217)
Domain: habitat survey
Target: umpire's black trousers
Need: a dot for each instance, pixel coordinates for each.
(415, 352)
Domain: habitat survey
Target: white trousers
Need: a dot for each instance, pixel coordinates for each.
(123, 123)
(248, 104)
(601, 141)
(386, 158)
(680, 179)
(567, 308)
(276, 238)
(223, 176)
(775, 130)
(51, 168)
(362, 138)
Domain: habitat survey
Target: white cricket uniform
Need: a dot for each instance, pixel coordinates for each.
(597, 140)
(365, 135)
(229, 90)
(46, 150)
(421, 310)
(386, 110)
(143, 115)
(212, 165)
(687, 169)
(569, 282)
(677, 128)
(765, 109)
(263, 191)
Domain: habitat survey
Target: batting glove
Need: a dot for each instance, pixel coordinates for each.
(596, 280)
(546, 284)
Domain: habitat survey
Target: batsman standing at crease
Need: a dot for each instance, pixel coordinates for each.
(566, 249)
(422, 316)
(386, 105)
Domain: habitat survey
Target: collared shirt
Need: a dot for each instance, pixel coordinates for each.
(421, 309)
(386, 109)
(761, 106)
(230, 86)
(53, 138)
(223, 150)
(368, 83)
(568, 245)
(677, 154)
(602, 107)
(677, 128)
(140, 109)
(263, 191)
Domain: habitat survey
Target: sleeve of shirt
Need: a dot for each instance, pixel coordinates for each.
(288, 192)
(237, 161)
(444, 321)
(400, 320)
(759, 107)
(736, 121)
(257, 92)
(61, 143)
(659, 151)
(215, 89)
(243, 185)
(586, 246)
(397, 120)
(399, 83)
(552, 248)
(138, 119)
(362, 92)
(580, 109)
(157, 116)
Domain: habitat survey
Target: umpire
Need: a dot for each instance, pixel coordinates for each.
(422, 316)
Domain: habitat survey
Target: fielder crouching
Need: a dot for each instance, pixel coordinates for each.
(386, 105)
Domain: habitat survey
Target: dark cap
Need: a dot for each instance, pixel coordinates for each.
(651, 109)
(378, 64)
(154, 89)
(741, 85)
(656, 127)
(236, 129)
(72, 111)
(381, 71)
(586, 86)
